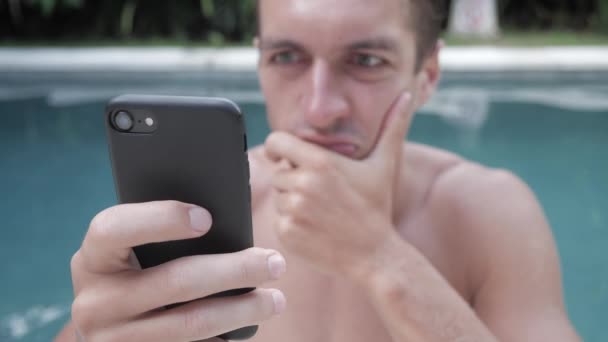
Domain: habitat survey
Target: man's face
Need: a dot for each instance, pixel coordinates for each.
(331, 69)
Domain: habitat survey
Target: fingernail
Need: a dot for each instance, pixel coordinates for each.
(200, 220)
(276, 265)
(279, 301)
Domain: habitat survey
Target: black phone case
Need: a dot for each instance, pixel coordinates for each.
(197, 155)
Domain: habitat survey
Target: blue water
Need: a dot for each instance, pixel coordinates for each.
(550, 129)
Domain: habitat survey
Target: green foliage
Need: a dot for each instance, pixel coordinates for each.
(47, 7)
(600, 22)
(73, 3)
(126, 18)
(221, 22)
(208, 8)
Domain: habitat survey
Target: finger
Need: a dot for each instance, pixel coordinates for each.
(395, 128)
(196, 277)
(281, 145)
(289, 179)
(202, 319)
(285, 165)
(292, 204)
(129, 294)
(115, 231)
(281, 181)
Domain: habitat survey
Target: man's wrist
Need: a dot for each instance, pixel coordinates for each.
(381, 261)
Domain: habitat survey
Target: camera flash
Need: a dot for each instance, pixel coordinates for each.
(150, 122)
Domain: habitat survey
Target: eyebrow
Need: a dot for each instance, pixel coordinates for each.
(272, 44)
(375, 44)
(381, 43)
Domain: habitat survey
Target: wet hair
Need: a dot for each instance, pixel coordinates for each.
(427, 18)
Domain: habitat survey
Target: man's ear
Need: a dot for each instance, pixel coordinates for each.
(429, 76)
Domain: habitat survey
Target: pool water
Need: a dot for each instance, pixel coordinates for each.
(550, 129)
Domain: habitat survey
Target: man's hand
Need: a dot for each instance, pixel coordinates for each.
(116, 301)
(334, 211)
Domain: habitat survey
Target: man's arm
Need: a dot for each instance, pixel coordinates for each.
(415, 302)
(519, 297)
(68, 334)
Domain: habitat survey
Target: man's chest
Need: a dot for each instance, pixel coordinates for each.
(320, 307)
(326, 308)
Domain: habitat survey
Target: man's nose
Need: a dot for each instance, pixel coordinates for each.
(325, 99)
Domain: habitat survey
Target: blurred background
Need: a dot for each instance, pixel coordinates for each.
(525, 87)
(217, 22)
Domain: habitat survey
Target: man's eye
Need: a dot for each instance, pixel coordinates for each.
(367, 61)
(287, 57)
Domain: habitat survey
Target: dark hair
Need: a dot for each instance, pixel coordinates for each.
(427, 17)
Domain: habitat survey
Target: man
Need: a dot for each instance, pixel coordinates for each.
(385, 240)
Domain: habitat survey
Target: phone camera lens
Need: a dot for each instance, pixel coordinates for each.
(123, 121)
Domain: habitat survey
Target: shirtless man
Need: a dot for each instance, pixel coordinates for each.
(385, 240)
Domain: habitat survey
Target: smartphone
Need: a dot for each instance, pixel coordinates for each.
(188, 149)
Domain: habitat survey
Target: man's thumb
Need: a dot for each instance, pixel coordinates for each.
(395, 127)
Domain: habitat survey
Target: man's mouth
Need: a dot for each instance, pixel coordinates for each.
(345, 149)
(340, 146)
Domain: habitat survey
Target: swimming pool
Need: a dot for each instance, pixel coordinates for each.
(551, 129)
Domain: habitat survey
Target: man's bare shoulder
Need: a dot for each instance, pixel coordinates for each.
(495, 226)
(491, 217)
(474, 191)
(481, 197)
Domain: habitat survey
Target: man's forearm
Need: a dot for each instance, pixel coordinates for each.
(67, 334)
(415, 302)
